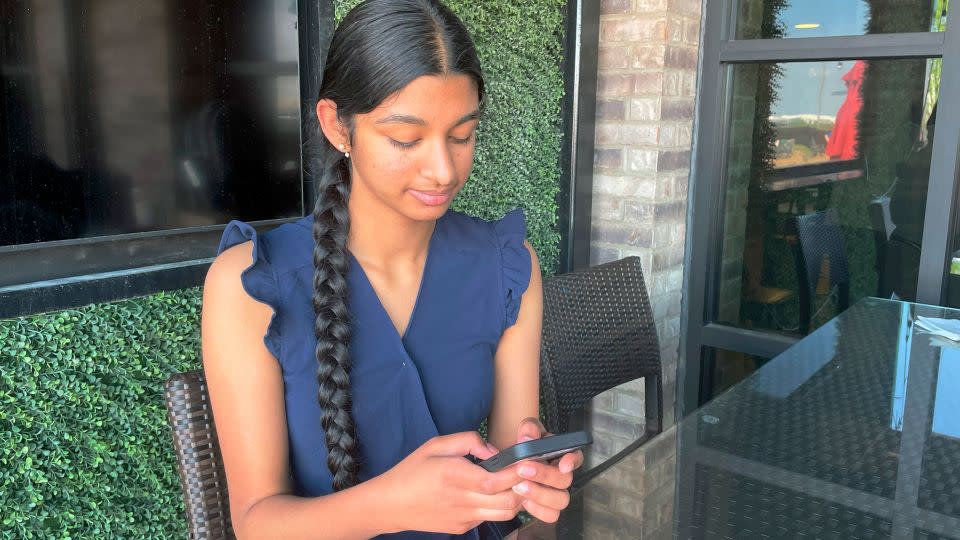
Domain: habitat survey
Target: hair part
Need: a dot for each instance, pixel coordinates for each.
(379, 48)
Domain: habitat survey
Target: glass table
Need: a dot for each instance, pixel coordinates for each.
(854, 432)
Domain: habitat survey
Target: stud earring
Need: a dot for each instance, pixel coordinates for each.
(343, 149)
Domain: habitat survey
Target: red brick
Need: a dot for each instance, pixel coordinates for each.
(611, 109)
(681, 57)
(634, 29)
(691, 32)
(687, 7)
(649, 6)
(645, 109)
(614, 233)
(642, 160)
(638, 212)
(608, 158)
(672, 160)
(675, 29)
(614, 6)
(648, 56)
(609, 85)
(677, 109)
(617, 57)
(648, 84)
(671, 83)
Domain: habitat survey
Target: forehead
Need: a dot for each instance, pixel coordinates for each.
(434, 99)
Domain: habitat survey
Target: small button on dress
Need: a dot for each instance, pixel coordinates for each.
(435, 379)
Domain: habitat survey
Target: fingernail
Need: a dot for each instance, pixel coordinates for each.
(526, 438)
(522, 488)
(526, 471)
(566, 467)
(492, 448)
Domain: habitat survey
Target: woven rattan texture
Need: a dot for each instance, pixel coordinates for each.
(598, 333)
(202, 479)
(939, 490)
(835, 425)
(727, 505)
(820, 237)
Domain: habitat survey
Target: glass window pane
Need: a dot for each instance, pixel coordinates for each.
(133, 116)
(773, 19)
(723, 368)
(826, 185)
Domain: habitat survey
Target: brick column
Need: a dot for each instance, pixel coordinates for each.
(645, 102)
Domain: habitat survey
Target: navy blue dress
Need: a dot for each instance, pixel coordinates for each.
(436, 379)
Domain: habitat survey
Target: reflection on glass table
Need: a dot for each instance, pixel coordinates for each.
(852, 433)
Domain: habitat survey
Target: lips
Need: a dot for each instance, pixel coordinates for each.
(431, 198)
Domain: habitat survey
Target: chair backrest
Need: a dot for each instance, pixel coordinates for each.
(199, 464)
(820, 238)
(598, 333)
(880, 221)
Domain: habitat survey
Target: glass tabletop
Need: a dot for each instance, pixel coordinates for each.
(854, 432)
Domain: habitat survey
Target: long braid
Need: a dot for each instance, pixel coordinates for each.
(331, 224)
(376, 51)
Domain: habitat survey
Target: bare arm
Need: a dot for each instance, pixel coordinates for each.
(516, 394)
(246, 391)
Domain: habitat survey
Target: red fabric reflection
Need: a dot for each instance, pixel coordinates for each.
(843, 141)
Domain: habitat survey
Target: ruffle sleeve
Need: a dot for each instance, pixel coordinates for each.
(511, 231)
(258, 279)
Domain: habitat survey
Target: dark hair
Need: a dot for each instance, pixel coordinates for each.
(378, 49)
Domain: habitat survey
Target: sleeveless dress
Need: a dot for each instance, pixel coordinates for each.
(436, 379)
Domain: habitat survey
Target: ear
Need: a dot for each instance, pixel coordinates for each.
(333, 130)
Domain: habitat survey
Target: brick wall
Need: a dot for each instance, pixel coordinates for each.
(645, 103)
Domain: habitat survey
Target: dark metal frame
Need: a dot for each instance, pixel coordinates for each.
(718, 53)
(579, 118)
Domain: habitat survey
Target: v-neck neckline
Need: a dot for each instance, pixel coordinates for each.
(416, 302)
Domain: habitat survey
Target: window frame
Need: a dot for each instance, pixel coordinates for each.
(705, 219)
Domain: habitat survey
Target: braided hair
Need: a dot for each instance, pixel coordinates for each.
(378, 49)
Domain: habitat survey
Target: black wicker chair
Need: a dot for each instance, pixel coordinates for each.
(819, 238)
(598, 333)
(202, 479)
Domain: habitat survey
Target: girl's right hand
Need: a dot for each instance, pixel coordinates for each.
(435, 489)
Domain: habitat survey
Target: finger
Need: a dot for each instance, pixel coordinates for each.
(547, 515)
(505, 501)
(461, 444)
(570, 461)
(530, 429)
(543, 473)
(478, 480)
(547, 497)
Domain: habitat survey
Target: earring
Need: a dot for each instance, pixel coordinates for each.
(343, 149)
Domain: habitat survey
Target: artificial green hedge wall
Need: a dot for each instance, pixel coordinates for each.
(86, 452)
(517, 160)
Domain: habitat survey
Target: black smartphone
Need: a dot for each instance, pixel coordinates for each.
(543, 449)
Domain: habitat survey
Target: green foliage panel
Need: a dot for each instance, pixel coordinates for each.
(86, 451)
(517, 159)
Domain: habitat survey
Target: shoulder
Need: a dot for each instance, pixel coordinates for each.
(470, 232)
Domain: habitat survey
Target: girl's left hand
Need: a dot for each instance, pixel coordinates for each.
(545, 488)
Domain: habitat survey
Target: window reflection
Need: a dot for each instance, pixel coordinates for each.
(826, 185)
(773, 19)
(127, 116)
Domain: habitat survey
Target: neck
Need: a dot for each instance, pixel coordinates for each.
(381, 237)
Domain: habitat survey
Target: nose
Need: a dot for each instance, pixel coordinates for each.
(439, 165)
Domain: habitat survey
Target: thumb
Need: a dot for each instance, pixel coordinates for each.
(461, 444)
(530, 429)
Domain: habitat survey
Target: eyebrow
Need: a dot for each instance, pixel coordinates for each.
(417, 121)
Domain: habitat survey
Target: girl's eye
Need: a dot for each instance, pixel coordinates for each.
(403, 145)
(464, 140)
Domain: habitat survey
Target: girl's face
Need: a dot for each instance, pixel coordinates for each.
(414, 152)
